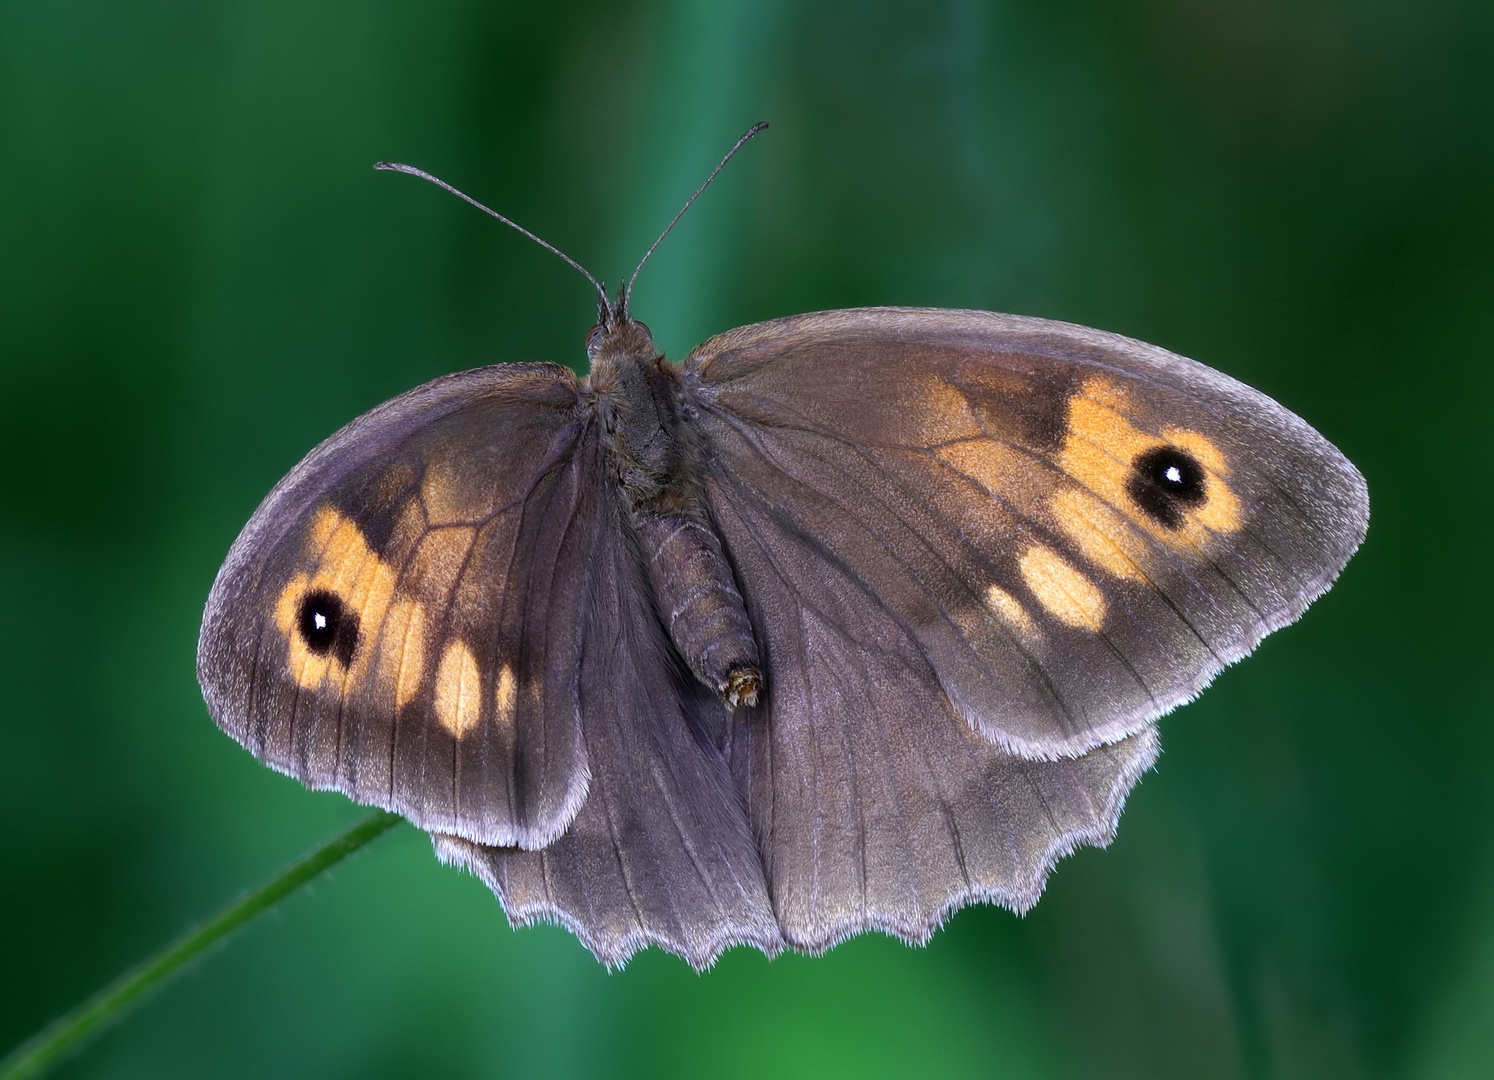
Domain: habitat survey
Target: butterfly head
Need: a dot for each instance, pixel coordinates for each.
(617, 337)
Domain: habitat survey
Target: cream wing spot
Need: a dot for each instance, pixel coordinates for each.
(1010, 610)
(1064, 592)
(405, 634)
(458, 690)
(507, 696)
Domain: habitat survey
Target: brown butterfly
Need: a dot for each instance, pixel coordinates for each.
(849, 620)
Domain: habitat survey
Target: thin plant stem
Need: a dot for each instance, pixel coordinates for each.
(67, 1033)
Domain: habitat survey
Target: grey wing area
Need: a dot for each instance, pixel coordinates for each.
(661, 852)
(400, 619)
(1002, 483)
(876, 805)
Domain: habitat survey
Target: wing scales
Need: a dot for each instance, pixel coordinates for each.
(979, 469)
(423, 540)
(876, 805)
(661, 852)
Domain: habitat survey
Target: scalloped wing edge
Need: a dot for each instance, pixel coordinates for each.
(702, 954)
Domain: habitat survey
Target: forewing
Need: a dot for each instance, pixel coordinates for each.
(661, 852)
(876, 805)
(1078, 530)
(400, 619)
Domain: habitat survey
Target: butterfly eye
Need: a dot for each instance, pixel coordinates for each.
(327, 626)
(1166, 482)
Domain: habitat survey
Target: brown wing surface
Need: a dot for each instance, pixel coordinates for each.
(876, 806)
(662, 852)
(400, 619)
(1077, 530)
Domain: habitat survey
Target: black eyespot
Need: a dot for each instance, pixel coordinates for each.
(327, 626)
(1167, 482)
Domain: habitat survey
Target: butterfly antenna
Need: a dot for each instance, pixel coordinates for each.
(628, 289)
(605, 312)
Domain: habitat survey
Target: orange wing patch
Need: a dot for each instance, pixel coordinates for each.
(993, 465)
(437, 563)
(454, 493)
(391, 628)
(1104, 537)
(935, 413)
(1101, 451)
(402, 644)
(347, 569)
(1223, 512)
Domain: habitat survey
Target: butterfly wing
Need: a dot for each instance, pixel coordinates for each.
(854, 798)
(982, 554)
(1078, 530)
(661, 852)
(400, 619)
(876, 805)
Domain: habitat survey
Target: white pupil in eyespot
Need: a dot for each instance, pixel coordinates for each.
(319, 621)
(1172, 472)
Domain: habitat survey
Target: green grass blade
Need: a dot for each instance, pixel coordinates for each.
(71, 1031)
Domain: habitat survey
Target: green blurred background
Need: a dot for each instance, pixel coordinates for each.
(201, 277)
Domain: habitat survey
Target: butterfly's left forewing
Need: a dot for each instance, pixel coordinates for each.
(400, 619)
(1078, 530)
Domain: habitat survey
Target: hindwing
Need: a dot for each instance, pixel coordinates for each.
(876, 806)
(662, 852)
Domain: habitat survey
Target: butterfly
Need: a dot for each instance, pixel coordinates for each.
(848, 620)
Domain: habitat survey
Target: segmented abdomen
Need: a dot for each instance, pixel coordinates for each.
(700, 604)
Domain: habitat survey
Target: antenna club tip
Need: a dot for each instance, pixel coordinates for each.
(399, 167)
